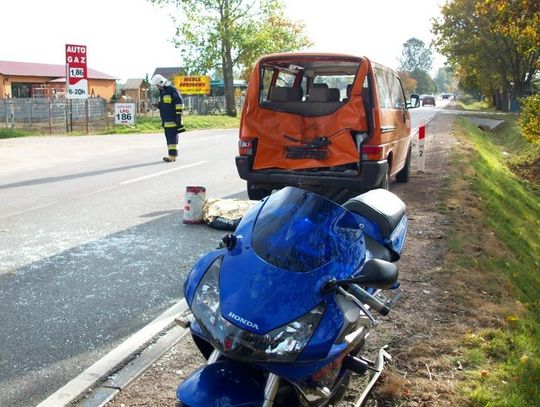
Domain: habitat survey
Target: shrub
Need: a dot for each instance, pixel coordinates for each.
(529, 118)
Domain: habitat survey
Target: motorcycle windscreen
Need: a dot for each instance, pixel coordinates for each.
(300, 231)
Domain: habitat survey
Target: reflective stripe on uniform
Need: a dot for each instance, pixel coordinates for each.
(167, 99)
(169, 124)
(171, 146)
(179, 107)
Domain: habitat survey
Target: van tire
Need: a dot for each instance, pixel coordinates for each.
(405, 173)
(255, 193)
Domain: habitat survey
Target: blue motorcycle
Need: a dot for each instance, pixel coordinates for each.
(281, 311)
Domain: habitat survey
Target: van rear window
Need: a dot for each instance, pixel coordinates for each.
(310, 88)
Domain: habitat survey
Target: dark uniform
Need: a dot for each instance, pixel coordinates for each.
(170, 110)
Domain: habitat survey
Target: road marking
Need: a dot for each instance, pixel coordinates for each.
(157, 174)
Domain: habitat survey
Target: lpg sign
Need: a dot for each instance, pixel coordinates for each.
(76, 72)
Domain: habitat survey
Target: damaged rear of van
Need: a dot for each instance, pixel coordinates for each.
(323, 122)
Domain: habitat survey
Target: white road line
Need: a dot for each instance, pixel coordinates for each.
(157, 174)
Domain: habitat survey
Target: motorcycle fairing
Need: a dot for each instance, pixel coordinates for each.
(265, 290)
(223, 383)
(257, 297)
(300, 371)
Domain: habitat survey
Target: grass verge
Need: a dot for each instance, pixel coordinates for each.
(13, 133)
(498, 257)
(153, 124)
(467, 102)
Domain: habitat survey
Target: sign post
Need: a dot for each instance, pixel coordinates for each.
(421, 146)
(76, 72)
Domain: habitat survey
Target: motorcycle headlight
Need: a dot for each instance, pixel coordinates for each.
(284, 343)
(206, 301)
(287, 341)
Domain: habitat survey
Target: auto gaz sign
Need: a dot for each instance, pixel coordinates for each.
(76, 72)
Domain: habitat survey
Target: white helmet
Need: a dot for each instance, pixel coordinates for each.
(158, 80)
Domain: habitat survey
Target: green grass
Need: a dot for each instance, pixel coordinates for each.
(153, 125)
(469, 103)
(504, 363)
(13, 133)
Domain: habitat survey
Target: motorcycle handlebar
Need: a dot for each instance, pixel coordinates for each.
(365, 297)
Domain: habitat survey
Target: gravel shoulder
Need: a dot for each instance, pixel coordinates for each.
(417, 330)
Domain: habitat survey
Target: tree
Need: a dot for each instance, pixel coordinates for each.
(229, 35)
(415, 56)
(408, 82)
(495, 44)
(529, 119)
(444, 79)
(424, 83)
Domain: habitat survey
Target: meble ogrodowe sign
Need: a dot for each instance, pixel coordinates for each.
(76, 78)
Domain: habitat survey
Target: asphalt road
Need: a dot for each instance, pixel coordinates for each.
(93, 247)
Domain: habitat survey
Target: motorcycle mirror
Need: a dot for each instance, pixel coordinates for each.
(376, 273)
(228, 241)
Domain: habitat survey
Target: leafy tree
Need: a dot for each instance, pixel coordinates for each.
(415, 56)
(444, 79)
(495, 44)
(229, 35)
(424, 83)
(529, 119)
(408, 82)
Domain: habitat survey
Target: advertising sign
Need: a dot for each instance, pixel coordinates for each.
(192, 85)
(76, 72)
(124, 113)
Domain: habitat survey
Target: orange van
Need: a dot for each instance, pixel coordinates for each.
(323, 122)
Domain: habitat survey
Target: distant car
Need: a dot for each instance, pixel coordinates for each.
(446, 95)
(427, 100)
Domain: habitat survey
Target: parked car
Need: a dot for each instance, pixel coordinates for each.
(427, 100)
(321, 122)
(446, 95)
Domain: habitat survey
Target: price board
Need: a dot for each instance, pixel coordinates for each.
(124, 113)
(76, 72)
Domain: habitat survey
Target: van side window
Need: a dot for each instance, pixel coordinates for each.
(398, 98)
(383, 90)
(390, 91)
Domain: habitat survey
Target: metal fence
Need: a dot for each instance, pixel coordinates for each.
(54, 115)
(89, 115)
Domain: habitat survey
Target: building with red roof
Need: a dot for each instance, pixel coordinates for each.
(31, 80)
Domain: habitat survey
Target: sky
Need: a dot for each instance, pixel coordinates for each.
(130, 38)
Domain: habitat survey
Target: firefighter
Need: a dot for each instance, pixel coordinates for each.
(170, 109)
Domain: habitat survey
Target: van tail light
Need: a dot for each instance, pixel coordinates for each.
(372, 153)
(245, 147)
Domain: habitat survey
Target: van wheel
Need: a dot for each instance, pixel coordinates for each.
(405, 173)
(256, 193)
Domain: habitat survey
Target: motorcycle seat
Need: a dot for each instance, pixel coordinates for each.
(380, 206)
